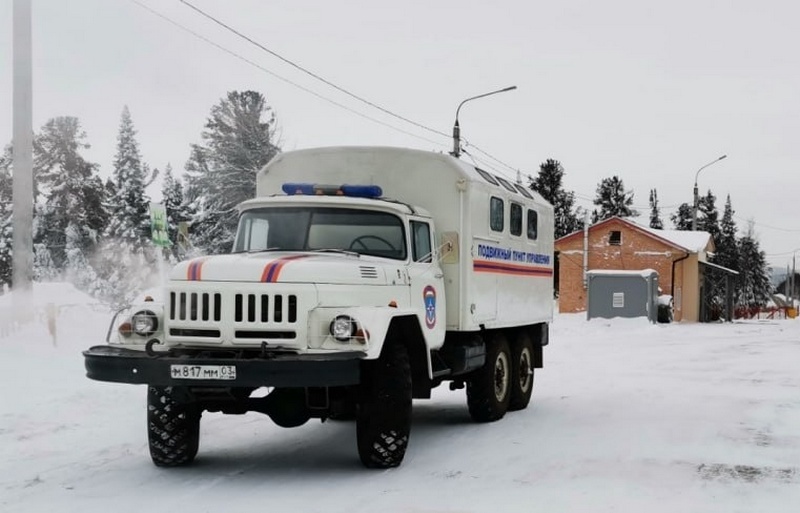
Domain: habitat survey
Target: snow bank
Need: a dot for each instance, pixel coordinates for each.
(626, 416)
(58, 293)
(48, 312)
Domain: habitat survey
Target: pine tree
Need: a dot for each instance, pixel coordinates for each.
(177, 211)
(727, 249)
(655, 212)
(130, 218)
(238, 141)
(708, 215)
(549, 185)
(111, 188)
(682, 218)
(613, 200)
(68, 224)
(6, 229)
(127, 259)
(754, 283)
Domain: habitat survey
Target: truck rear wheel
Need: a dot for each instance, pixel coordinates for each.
(383, 422)
(489, 388)
(521, 373)
(173, 426)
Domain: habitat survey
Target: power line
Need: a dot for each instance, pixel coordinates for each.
(487, 154)
(273, 74)
(310, 73)
(789, 230)
(481, 163)
(791, 252)
(320, 78)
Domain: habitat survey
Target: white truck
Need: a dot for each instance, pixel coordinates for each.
(360, 278)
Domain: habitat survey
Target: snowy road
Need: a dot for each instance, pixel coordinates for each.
(625, 417)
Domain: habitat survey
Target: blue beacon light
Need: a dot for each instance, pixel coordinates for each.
(362, 191)
(353, 191)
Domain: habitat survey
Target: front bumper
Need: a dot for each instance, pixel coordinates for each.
(121, 365)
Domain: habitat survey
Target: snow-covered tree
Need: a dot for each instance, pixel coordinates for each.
(111, 188)
(79, 270)
(238, 140)
(708, 215)
(549, 185)
(130, 219)
(655, 212)
(613, 200)
(70, 220)
(43, 267)
(682, 218)
(127, 258)
(755, 287)
(6, 229)
(178, 211)
(727, 249)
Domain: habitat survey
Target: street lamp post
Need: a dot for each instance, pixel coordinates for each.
(457, 129)
(696, 196)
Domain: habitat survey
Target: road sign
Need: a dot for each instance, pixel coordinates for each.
(158, 225)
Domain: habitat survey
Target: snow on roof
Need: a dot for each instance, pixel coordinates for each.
(644, 273)
(693, 242)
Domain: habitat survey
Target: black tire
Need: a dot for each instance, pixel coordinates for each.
(173, 427)
(383, 421)
(522, 373)
(489, 388)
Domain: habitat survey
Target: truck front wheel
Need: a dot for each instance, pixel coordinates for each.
(173, 426)
(383, 420)
(489, 388)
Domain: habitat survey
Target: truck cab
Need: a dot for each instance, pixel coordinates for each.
(307, 272)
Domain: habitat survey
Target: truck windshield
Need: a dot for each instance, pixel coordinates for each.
(365, 232)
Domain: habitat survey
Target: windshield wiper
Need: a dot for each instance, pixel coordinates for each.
(335, 250)
(266, 250)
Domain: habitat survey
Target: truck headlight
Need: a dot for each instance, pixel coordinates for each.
(144, 323)
(343, 328)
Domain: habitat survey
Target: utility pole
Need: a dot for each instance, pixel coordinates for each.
(22, 260)
(696, 195)
(792, 281)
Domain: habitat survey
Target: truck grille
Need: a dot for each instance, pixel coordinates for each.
(265, 308)
(195, 306)
(246, 316)
(202, 306)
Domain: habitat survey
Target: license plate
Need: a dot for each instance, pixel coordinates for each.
(221, 372)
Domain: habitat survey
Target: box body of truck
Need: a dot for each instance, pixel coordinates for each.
(494, 278)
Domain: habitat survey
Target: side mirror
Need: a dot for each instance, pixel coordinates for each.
(449, 248)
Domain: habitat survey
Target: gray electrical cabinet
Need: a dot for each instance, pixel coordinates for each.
(622, 294)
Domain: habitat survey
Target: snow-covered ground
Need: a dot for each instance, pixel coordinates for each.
(626, 417)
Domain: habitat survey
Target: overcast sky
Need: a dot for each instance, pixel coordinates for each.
(649, 91)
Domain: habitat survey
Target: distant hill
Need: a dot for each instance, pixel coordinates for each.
(780, 283)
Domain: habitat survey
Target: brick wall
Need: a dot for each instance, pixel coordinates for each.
(636, 251)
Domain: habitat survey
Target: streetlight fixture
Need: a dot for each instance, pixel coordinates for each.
(457, 129)
(696, 197)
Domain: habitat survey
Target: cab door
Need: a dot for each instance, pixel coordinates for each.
(427, 281)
